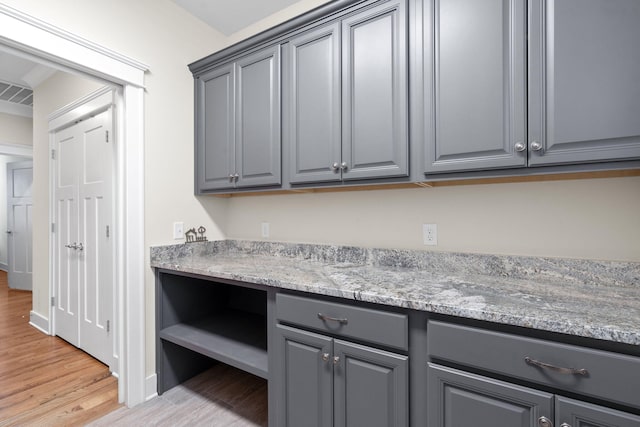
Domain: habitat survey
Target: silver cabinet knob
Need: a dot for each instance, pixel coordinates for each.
(535, 146)
(236, 176)
(335, 166)
(544, 422)
(325, 357)
(80, 247)
(343, 166)
(520, 146)
(565, 425)
(70, 246)
(336, 360)
(230, 177)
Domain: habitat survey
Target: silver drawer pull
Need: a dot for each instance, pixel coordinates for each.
(559, 369)
(342, 321)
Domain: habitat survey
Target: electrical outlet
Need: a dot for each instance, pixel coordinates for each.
(430, 234)
(265, 229)
(178, 230)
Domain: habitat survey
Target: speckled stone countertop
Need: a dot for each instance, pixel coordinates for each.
(594, 299)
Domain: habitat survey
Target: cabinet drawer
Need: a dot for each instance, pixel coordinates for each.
(610, 376)
(375, 326)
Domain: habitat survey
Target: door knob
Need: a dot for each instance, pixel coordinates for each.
(520, 146)
(535, 146)
(335, 166)
(544, 422)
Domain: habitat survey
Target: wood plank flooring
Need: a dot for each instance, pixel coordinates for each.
(222, 397)
(45, 381)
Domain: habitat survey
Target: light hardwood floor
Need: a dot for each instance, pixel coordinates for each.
(45, 381)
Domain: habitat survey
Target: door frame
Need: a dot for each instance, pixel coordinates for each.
(45, 43)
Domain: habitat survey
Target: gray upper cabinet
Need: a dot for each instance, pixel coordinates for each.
(314, 101)
(215, 129)
(474, 84)
(374, 78)
(584, 90)
(492, 100)
(347, 98)
(238, 123)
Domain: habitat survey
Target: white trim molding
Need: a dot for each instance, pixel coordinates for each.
(16, 150)
(151, 387)
(39, 322)
(60, 49)
(94, 103)
(30, 34)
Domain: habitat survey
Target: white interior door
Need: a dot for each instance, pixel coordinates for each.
(19, 214)
(84, 259)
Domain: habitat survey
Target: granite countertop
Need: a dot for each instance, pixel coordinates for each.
(595, 299)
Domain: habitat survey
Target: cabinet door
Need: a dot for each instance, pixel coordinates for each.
(258, 118)
(215, 131)
(374, 79)
(584, 90)
(461, 399)
(580, 414)
(371, 387)
(305, 378)
(474, 77)
(314, 105)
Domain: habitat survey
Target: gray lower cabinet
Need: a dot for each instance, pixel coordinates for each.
(326, 382)
(347, 98)
(462, 399)
(238, 123)
(535, 83)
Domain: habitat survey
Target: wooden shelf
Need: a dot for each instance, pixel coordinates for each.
(236, 338)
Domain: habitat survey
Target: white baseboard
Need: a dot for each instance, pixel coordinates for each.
(4, 267)
(151, 387)
(39, 322)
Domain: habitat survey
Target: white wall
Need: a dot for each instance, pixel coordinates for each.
(15, 130)
(166, 38)
(530, 219)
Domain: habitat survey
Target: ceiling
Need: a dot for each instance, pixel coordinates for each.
(18, 76)
(230, 16)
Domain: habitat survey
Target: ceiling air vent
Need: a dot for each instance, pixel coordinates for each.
(16, 94)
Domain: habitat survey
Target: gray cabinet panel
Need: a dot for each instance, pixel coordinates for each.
(581, 414)
(461, 399)
(258, 118)
(584, 65)
(477, 65)
(215, 139)
(371, 387)
(374, 79)
(305, 399)
(314, 90)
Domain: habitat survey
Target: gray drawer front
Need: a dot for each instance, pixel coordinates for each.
(611, 376)
(380, 327)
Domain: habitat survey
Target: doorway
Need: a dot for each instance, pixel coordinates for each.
(19, 215)
(26, 35)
